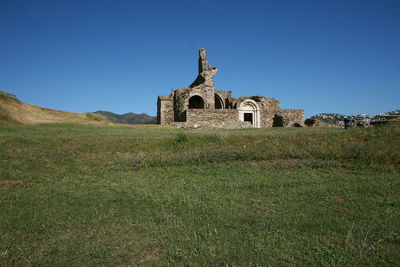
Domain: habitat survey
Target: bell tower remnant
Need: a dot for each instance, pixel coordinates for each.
(206, 72)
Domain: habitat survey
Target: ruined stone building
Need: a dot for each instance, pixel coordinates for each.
(201, 106)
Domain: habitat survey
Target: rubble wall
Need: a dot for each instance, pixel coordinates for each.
(294, 117)
(165, 110)
(268, 108)
(266, 118)
(183, 95)
(215, 118)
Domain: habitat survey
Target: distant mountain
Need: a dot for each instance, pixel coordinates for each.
(128, 118)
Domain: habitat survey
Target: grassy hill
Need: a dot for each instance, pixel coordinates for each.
(14, 111)
(151, 195)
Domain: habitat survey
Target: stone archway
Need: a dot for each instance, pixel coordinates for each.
(196, 102)
(219, 104)
(249, 111)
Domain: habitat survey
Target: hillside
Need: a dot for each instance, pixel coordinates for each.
(14, 111)
(128, 118)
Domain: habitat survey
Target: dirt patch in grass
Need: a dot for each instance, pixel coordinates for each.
(149, 255)
(294, 165)
(6, 183)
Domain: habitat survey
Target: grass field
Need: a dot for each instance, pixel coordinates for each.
(96, 195)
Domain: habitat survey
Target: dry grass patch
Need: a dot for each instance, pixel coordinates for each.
(16, 112)
(6, 183)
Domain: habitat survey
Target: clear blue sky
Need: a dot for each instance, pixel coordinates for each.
(319, 55)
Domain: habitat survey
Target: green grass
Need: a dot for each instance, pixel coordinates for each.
(159, 196)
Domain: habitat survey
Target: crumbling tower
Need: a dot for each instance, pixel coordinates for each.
(205, 78)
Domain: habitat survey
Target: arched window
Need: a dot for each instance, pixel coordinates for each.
(196, 102)
(218, 102)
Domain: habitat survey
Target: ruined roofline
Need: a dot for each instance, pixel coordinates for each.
(292, 109)
(206, 72)
(253, 97)
(164, 97)
(227, 91)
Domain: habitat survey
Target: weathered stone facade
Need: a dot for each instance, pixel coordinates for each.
(201, 106)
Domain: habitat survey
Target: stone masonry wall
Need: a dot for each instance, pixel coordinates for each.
(268, 108)
(182, 96)
(293, 116)
(165, 110)
(215, 118)
(266, 118)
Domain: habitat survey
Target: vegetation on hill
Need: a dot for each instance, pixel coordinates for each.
(151, 195)
(14, 111)
(7, 99)
(128, 118)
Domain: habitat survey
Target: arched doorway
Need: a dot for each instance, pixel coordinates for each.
(196, 102)
(249, 111)
(218, 102)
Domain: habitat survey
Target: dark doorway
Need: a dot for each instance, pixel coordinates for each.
(248, 117)
(196, 102)
(218, 102)
(227, 104)
(278, 121)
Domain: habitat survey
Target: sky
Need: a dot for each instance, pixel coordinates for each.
(340, 56)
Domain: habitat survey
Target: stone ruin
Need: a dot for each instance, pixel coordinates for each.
(359, 121)
(201, 106)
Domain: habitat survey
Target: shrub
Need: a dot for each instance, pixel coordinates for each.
(95, 117)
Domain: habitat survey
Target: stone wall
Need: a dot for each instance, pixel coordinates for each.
(182, 96)
(294, 117)
(215, 118)
(268, 108)
(266, 118)
(165, 110)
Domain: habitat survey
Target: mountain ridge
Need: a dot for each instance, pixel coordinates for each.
(127, 118)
